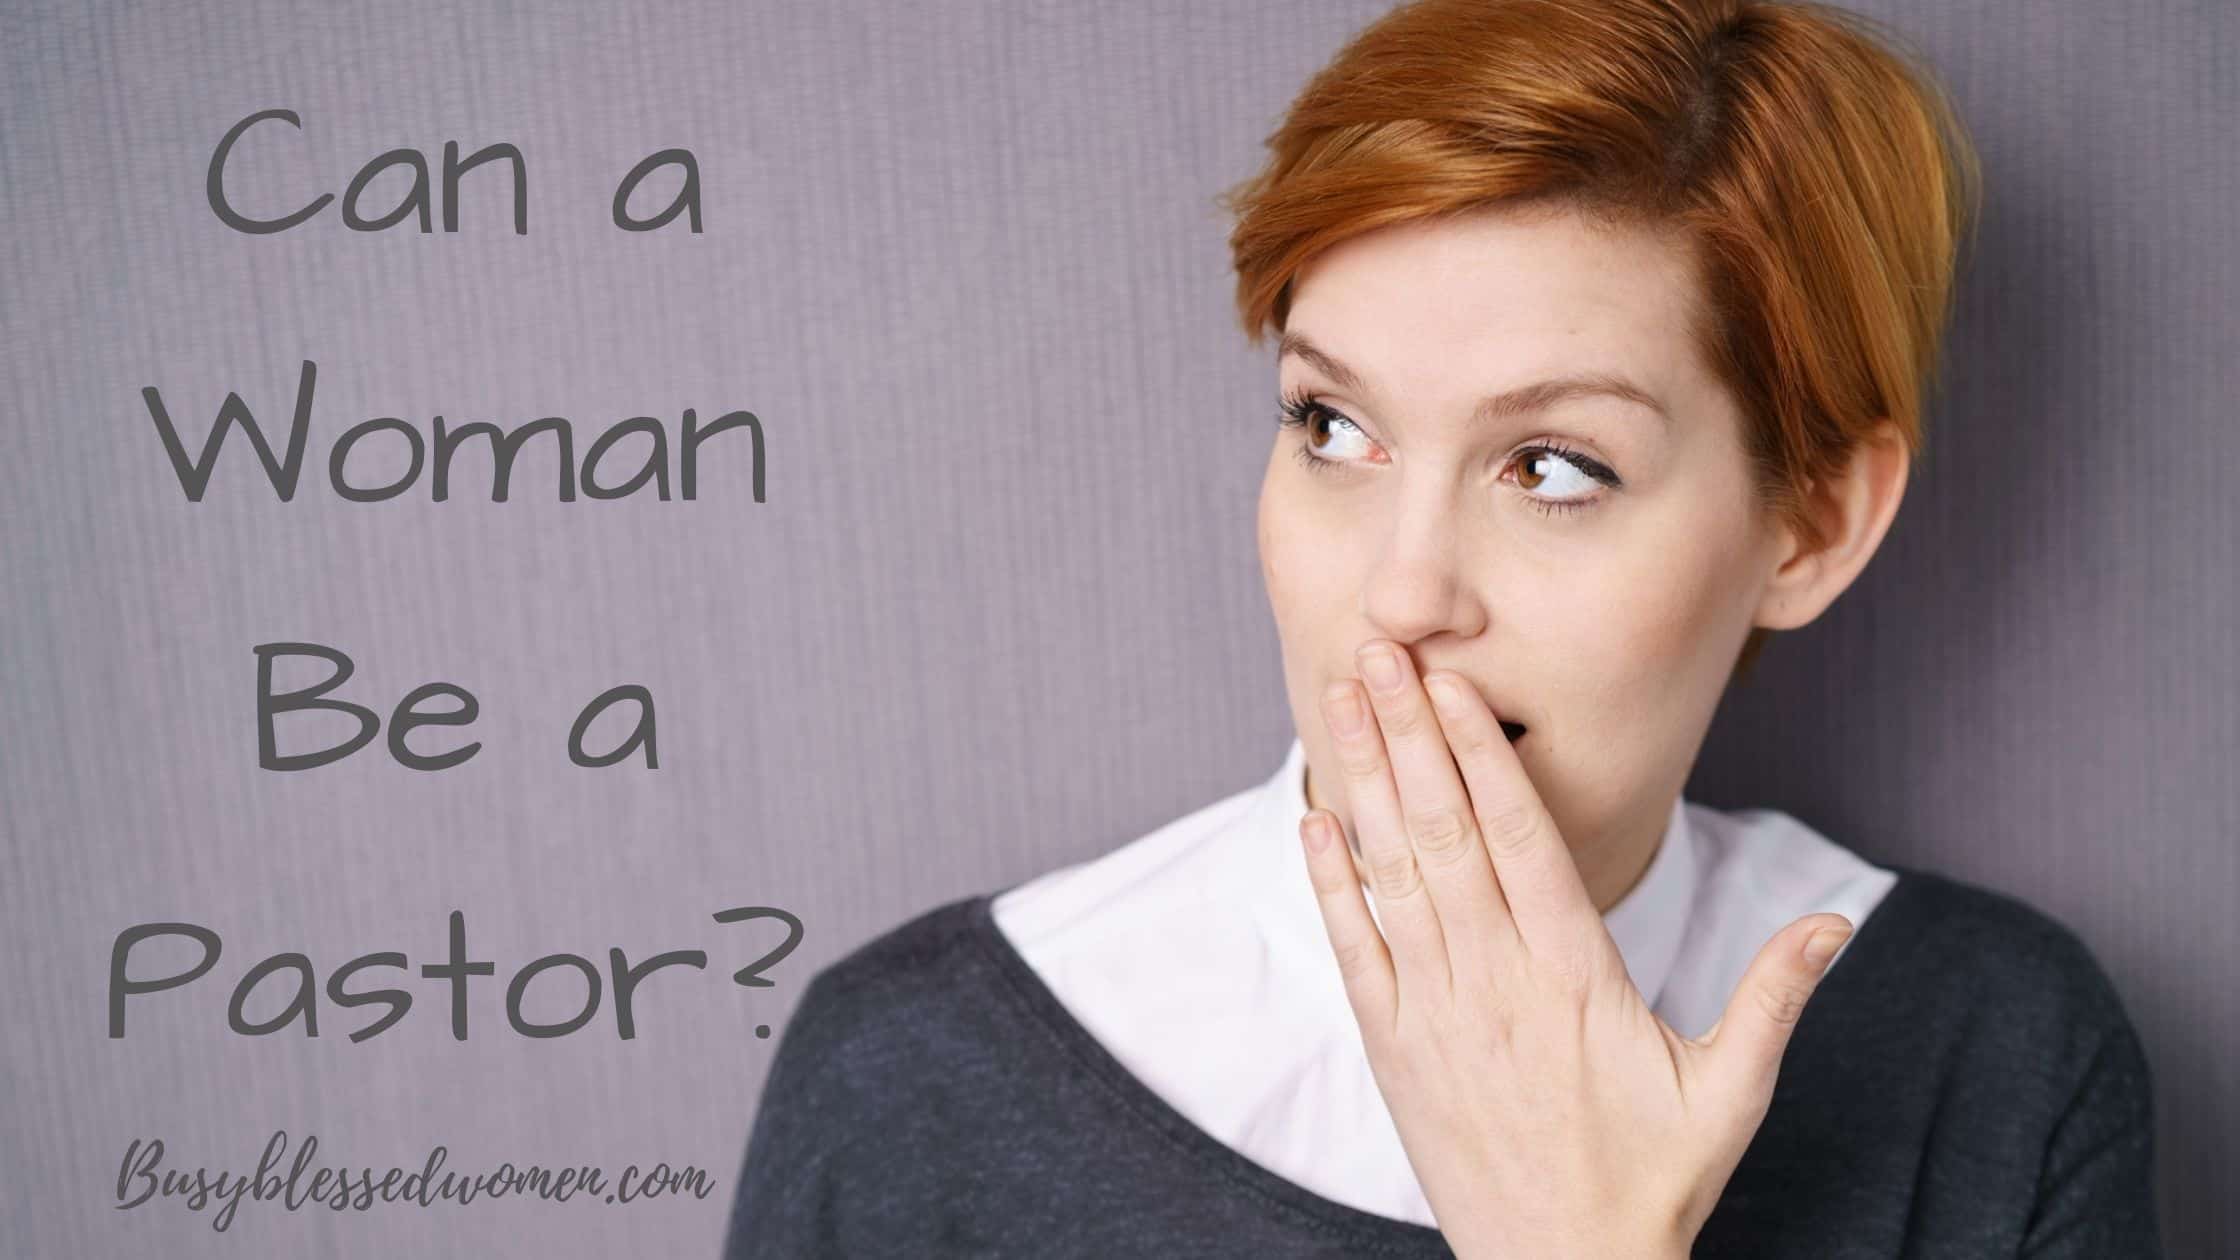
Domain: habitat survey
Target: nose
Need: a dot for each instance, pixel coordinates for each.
(1420, 586)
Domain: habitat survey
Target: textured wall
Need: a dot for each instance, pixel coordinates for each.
(1000, 609)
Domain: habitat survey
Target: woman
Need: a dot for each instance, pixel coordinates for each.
(1603, 329)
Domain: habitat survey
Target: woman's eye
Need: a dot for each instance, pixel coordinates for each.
(1333, 437)
(1327, 438)
(1558, 480)
(1317, 452)
(1550, 475)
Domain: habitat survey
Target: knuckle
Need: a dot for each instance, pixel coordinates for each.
(1353, 961)
(1512, 826)
(1783, 1003)
(1470, 741)
(1572, 970)
(1404, 721)
(1360, 760)
(1439, 833)
(1392, 873)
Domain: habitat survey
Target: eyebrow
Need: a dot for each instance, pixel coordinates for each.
(1523, 400)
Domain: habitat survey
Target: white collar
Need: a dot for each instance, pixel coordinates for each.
(1647, 923)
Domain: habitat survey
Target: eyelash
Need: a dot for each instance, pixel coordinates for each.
(1300, 410)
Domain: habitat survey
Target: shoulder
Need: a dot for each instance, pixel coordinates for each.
(886, 1044)
(2001, 954)
(874, 1031)
(2035, 1057)
(894, 983)
(2002, 1000)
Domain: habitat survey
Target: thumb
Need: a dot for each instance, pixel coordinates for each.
(1746, 1045)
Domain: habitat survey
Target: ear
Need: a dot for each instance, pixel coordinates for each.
(1854, 509)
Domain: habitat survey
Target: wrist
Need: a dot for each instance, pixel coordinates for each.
(1662, 1247)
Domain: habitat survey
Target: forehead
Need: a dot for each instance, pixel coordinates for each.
(1501, 293)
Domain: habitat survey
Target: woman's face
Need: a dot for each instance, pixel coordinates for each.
(1592, 562)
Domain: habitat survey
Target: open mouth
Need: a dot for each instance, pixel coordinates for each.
(1514, 730)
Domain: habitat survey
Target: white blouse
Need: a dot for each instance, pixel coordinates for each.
(1197, 956)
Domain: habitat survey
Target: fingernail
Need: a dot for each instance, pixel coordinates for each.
(1344, 709)
(1318, 835)
(1824, 944)
(1381, 666)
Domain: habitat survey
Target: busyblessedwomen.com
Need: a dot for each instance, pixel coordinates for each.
(144, 1178)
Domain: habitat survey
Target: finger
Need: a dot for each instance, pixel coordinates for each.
(1435, 812)
(1548, 902)
(1404, 910)
(1746, 1045)
(1363, 962)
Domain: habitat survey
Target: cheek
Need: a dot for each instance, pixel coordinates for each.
(1630, 667)
(1314, 588)
(1269, 527)
(1666, 619)
(1306, 575)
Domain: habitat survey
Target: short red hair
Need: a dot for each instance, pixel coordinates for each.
(1816, 168)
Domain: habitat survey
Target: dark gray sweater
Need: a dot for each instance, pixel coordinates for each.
(1965, 1083)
